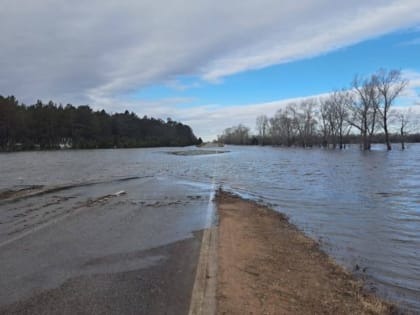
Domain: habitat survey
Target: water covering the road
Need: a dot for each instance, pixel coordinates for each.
(364, 207)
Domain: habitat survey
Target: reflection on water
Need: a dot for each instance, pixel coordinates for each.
(363, 206)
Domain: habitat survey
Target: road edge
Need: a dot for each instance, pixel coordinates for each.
(203, 299)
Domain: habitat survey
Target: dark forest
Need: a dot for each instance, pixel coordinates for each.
(51, 126)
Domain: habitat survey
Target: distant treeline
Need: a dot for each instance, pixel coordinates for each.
(364, 113)
(52, 126)
(241, 135)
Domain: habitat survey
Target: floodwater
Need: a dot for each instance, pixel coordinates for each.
(364, 207)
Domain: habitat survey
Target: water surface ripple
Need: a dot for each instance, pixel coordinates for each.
(364, 207)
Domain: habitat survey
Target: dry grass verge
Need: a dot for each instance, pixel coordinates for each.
(267, 266)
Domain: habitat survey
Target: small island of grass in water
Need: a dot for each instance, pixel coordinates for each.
(267, 266)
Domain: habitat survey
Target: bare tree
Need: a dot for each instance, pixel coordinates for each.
(334, 116)
(363, 108)
(325, 121)
(235, 135)
(367, 107)
(296, 124)
(307, 121)
(274, 129)
(405, 121)
(283, 126)
(262, 126)
(389, 84)
(342, 100)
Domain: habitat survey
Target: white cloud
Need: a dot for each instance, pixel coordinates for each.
(413, 77)
(411, 94)
(83, 51)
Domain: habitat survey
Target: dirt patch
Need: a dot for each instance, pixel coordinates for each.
(210, 145)
(267, 266)
(197, 152)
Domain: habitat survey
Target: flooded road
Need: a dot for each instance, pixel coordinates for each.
(118, 247)
(364, 207)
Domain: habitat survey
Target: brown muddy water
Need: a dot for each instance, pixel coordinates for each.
(364, 207)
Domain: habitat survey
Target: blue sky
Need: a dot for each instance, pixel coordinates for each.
(207, 64)
(309, 76)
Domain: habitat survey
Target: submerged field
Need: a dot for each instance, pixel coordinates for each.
(363, 207)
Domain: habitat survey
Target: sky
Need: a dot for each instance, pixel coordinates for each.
(205, 63)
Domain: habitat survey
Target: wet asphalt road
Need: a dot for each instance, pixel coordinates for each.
(90, 249)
